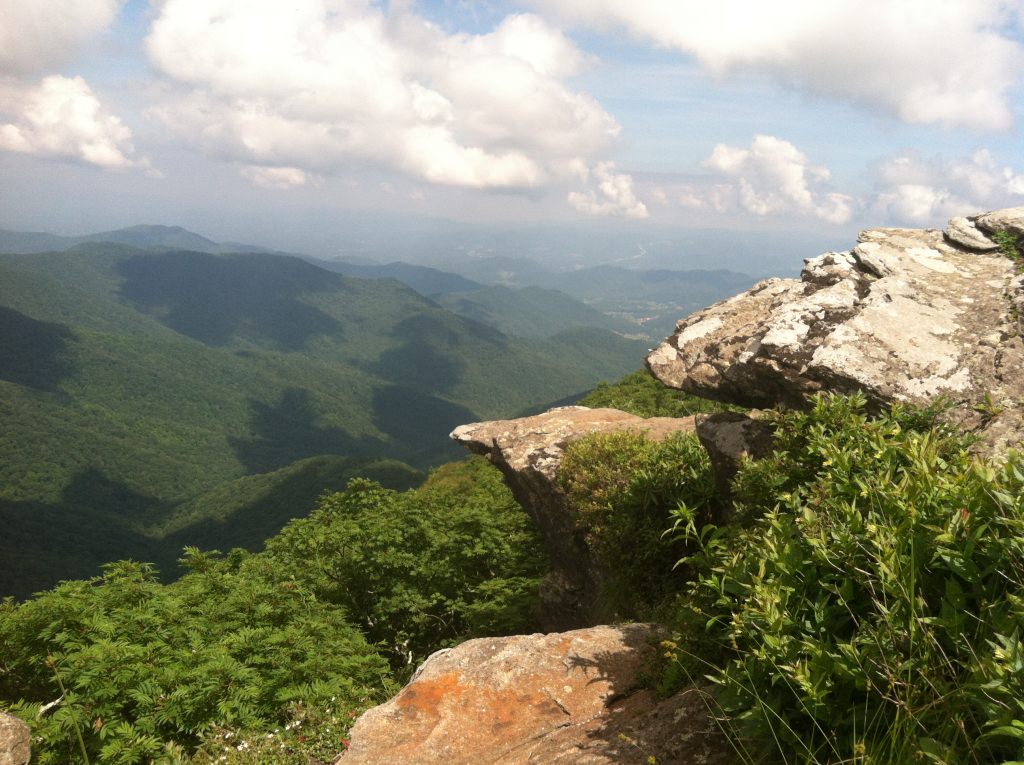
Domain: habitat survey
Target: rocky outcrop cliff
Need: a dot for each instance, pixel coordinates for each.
(905, 315)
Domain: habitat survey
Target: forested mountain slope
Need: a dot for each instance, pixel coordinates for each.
(132, 382)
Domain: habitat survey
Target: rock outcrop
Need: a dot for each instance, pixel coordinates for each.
(729, 438)
(562, 698)
(906, 315)
(15, 740)
(528, 451)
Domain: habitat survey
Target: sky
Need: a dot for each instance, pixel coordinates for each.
(239, 117)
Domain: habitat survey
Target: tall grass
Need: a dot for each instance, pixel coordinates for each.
(869, 606)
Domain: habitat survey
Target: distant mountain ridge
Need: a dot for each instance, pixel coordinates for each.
(142, 236)
(425, 280)
(632, 301)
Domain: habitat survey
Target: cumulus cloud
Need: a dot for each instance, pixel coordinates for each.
(37, 35)
(327, 85)
(62, 117)
(948, 62)
(914, 190)
(771, 177)
(606, 193)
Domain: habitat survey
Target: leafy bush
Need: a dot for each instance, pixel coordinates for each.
(1010, 245)
(139, 669)
(622, 489)
(423, 569)
(871, 607)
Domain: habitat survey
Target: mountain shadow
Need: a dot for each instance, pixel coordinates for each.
(43, 543)
(289, 431)
(214, 299)
(420, 422)
(259, 506)
(430, 356)
(32, 352)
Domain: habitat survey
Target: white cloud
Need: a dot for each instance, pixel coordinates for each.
(771, 177)
(324, 86)
(949, 62)
(37, 35)
(918, 191)
(274, 177)
(607, 194)
(62, 117)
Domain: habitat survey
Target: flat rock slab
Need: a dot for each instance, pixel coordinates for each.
(906, 315)
(15, 740)
(560, 698)
(536, 443)
(528, 451)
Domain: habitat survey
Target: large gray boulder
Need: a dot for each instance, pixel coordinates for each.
(906, 315)
(570, 698)
(528, 451)
(15, 740)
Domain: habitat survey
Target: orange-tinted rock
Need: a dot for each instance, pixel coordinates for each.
(561, 698)
(528, 451)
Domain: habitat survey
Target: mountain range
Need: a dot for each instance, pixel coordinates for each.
(153, 396)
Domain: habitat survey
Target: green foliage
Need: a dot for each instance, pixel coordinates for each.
(147, 665)
(642, 394)
(455, 558)
(869, 608)
(248, 510)
(1010, 245)
(622, 489)
(309, 735)
(267, 657)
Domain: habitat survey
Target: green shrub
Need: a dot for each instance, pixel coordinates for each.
(1010, 246)
(422, 569)
(267, 657)
(140, 669)
(622, 489)
(870, 608)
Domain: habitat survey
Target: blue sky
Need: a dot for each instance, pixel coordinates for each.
(224, 114)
